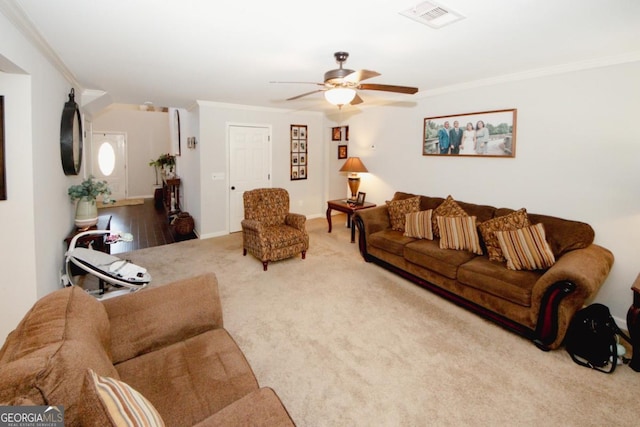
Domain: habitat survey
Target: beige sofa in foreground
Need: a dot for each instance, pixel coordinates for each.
(166, 343)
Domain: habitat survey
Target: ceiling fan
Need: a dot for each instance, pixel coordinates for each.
(340, 85)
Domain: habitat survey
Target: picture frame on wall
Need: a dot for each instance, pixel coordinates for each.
(482, 134)
(299, 152)
(342, 151)
(336, 134)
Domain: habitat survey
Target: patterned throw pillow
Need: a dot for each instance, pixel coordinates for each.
(418, 225)
(398, 210)
(513, 221)
(460, 233)
(121, 404)
(447, 208)
(526, 248)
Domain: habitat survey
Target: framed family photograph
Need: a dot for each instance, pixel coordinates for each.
(360, 199)
(482, 134)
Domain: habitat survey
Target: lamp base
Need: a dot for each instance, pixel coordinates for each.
(354, 184)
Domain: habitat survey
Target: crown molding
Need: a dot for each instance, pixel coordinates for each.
(538, 72)
(14, 13)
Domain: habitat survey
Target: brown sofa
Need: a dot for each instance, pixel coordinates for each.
(536, 303)
(167, 343)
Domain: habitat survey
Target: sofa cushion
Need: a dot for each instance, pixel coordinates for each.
(390, 241)
(428, 254)
(563, 235)
(481, 212)
(511, 221)
(109, 402)
(526, 248)
(200, 376)
(418, 225)
(494, 278)
(459, 233)
(427, 203)
(448, 208)
(261, 408)
(45, 358)
(398, 209)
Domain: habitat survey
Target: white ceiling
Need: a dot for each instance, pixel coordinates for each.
(173, 52)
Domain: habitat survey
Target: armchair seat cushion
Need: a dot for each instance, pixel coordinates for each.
(281, 236)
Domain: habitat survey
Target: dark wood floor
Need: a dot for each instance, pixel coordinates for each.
(149, 226)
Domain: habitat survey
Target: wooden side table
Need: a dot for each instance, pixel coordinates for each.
(348, 208)
(633, 323)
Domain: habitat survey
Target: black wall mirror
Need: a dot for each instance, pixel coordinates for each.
(71, 137)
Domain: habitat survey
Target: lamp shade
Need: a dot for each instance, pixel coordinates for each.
(340, 95)
(353, 164)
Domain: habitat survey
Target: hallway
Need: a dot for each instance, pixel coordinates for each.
(149, 226)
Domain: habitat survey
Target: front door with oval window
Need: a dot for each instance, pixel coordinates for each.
(109, 161)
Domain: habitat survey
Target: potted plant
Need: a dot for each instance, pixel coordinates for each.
(86, 194)
(166, 163)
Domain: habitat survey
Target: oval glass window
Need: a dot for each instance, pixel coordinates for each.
(106, 159)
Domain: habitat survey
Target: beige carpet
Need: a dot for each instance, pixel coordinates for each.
(121, 202)
(346, 343)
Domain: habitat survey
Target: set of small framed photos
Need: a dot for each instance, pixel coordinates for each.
(299, 152)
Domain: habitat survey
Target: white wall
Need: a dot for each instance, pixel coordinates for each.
(147, 137)
(577, 157)
(38, 214)
(305, 195)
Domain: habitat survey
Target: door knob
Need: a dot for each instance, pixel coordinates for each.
(233, 187)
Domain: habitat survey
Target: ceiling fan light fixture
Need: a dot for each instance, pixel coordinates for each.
(340, 95)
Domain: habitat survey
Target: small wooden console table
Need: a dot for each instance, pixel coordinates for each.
(171, 194)
(348, 208)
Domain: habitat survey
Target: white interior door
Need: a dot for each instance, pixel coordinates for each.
(108, 161)
(249, 166)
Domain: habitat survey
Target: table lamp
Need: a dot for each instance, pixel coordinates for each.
(353, 165)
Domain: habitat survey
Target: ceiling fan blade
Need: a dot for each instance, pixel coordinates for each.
(357, 100)
(389, 88)
(305, 94)
(360, 75)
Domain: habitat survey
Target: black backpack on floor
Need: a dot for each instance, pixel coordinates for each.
(591, 338)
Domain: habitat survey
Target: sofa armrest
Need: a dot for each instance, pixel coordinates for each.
(157, 317)
(296, 221)
(374, 219)
(586, 269)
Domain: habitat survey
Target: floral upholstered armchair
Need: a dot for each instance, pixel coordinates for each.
(269, 231)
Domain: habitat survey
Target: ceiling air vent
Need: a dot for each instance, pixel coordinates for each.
(432, 14)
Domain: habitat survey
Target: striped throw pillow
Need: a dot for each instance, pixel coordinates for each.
(526, 248)
(512, 221)
(124, 405)
(460, 233)
(418, 225)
